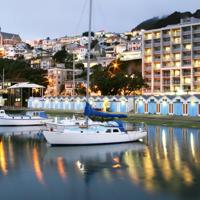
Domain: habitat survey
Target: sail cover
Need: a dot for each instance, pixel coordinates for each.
(90, 112)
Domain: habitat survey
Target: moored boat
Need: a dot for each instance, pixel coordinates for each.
(92, 135)
(31, 118)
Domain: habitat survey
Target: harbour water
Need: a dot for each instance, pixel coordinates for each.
(167, 167)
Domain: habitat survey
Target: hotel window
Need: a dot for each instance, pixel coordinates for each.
(177, 56)
(177, 64)
(157, 34)
(166, 48)
(148, 36)
(188, 46)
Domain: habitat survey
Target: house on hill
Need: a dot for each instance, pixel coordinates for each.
(9, 39)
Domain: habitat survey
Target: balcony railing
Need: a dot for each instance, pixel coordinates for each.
(186, 57)
(196, 39)
(196, 47)
(196, 56)
(197, 73)
(186, 40)
(186, 32)
(166, 36)
(196, 31)
(166, 43)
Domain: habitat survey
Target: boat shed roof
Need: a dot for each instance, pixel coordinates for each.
(25, 85)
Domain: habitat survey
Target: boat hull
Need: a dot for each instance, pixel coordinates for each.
(59, 138)
(23, 122)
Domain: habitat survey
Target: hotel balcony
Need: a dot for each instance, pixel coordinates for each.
(196, 39)
(186, 57)
(186, 40)
(156, 83)
(166, 83)
(147, 76)
(156, 75)
(197, 73)
(186, 32)
(147, 68)
(186, 74)
(147, 45)
(166, 43)
(196, 31)
(166, 35)
(176, 82)
(196, 47)
(178, 33)
(166, 76)
(197, 82)
(166, 59)
(156, 44)
(156, 59)
(186, 49)
(174, 50)
(196, 56)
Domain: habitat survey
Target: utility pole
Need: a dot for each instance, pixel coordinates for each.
(3, 80)
(73, 87)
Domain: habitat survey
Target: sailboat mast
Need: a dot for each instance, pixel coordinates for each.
(89, 51)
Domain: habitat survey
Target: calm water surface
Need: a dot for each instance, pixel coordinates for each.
(167, 168)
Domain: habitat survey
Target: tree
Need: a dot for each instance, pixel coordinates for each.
(115, 80)
(64, 57)
(86, 34)
(60, 56)
(19, 70)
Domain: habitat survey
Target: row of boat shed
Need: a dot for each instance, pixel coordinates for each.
(186, 105)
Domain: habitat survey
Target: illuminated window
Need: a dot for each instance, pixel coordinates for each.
(177, 55)
(167, 48)
(177, 73)
(157, 35)
(188, 46)
(148, 59)
(157, 66)
(177, 40)
(148, 51)
(187, 80)
(177, 64)
(148, 36)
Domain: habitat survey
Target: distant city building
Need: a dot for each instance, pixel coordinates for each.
(171, 58)
(57, 77)
(9, 39)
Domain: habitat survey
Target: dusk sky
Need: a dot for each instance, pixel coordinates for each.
(42, 18)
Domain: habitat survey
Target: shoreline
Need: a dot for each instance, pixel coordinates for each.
(161, 120)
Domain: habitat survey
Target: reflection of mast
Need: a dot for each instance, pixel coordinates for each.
(3, 163)
(61, 168)
(36, 165)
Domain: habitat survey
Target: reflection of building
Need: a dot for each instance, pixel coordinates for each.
(171, 58)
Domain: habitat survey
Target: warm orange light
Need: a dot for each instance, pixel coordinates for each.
(3, 163)
(61, 168)
(36, 165)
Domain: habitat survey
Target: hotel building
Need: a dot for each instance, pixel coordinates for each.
(171, 58)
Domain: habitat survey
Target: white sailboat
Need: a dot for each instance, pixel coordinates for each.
(91, 134)
(31, 118)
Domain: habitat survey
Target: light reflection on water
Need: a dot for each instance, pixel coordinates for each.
(167, 166)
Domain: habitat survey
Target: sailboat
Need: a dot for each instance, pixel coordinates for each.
(92, 134)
